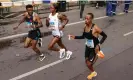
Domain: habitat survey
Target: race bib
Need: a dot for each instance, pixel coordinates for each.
(90, 43)
(52, 24)
(29, 24)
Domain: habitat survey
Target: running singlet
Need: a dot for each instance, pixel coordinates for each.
(30, 22)
(55, 23)
(91, 41)
(34, 33)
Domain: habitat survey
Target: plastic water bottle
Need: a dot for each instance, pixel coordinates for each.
(69, 38)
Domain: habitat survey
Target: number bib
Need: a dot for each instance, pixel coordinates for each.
(52, 23)
(29, 24)
(90, 43)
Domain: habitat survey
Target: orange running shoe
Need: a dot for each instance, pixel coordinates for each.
(100, 54)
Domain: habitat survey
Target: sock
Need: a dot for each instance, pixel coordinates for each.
(41, 55)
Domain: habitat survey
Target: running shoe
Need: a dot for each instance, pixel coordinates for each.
(69, 53)
(62, 53)
(126, 11)
(93, 74)
(100, 54)
(114, 14)
(41, 57)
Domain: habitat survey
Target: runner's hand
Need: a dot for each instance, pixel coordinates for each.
(47, 22)
(71, 36)
(60, 28)
(47, 19)
(15, 28)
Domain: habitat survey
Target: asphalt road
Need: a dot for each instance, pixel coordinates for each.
(17, 63)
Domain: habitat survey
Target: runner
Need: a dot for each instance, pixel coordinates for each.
(56, 22)
(82, 7)
(33, 23)
(91, 34)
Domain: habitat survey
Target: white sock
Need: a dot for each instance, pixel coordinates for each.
(42, 55)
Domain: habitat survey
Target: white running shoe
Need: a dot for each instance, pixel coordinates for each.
(62, 53)
(69, 53)
(41, 57)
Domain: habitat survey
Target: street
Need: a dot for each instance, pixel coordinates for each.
(18, 63)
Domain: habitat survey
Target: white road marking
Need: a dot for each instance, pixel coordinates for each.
(19, 15)
(128, 33)
(131, 31)
(38, 69)
(83, 21)
(58, 61)
(13, 36)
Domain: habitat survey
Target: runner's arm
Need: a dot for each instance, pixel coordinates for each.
(47, 22)
(80, 37)
(64, 20)
(39, 22)
(104, 36)
(22, 20)
(76, 37)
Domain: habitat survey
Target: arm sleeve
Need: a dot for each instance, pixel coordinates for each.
(80, 37)
(103, 38)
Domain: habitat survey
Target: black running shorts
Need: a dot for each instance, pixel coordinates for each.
(34, 34)
(90, 54)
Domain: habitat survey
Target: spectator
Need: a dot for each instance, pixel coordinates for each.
(127, 4)
(82, 6)
(99, 4)
(108, 8)
(114, 5)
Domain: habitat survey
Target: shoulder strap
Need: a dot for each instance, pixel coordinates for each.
(92, 26)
